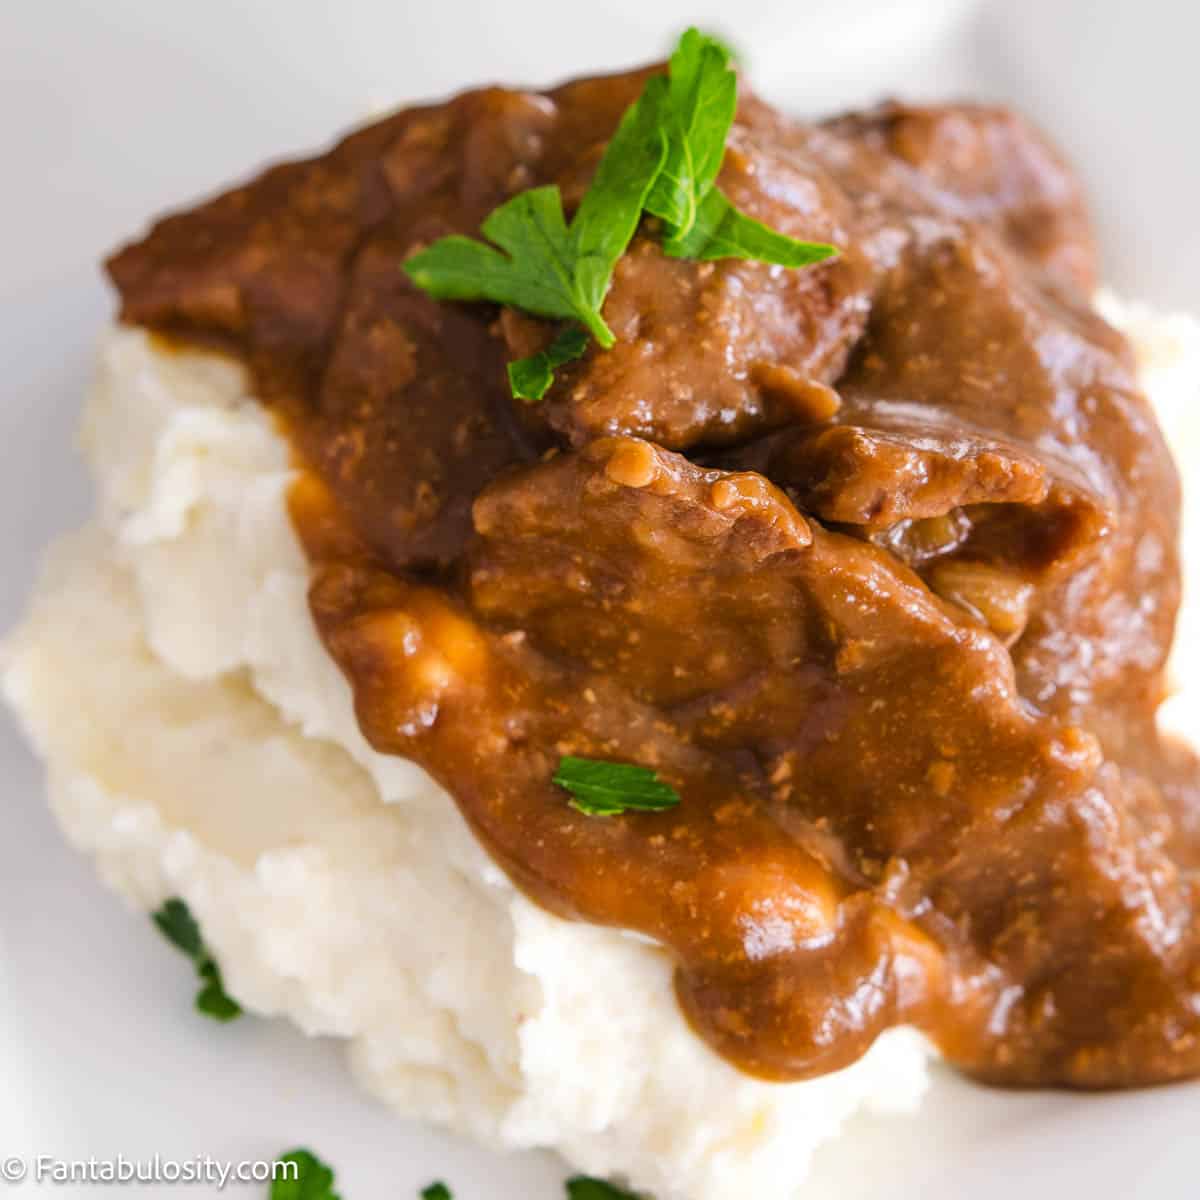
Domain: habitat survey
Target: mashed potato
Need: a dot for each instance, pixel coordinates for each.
(205, 746)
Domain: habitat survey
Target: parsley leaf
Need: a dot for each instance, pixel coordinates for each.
(212, 999)
(732, 53)
(534, 273)
(530, 378)
(608, 214)
(603, 789)
(546, 268)
(721, 231)
(312, 1179)
(179, 927)
(696, 104)
(699, 105)
(437, 1191)
(583, 1187)
(664, 158)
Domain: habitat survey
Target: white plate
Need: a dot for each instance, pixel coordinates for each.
(112, 111)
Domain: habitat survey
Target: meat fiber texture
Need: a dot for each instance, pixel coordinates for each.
(205, 746)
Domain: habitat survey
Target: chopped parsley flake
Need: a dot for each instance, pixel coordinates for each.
(312, 1179)
(603, 789)
(582, 1187)
(179, 927)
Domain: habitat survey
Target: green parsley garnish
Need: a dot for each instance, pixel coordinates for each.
(437, 1191)
(582, 1187)
(603, 789)
(529, 378)
(731, 51)
(720, 231)
(179, 927)
(312, 1179)
(695, 104)
(664, 158)
(542, 265)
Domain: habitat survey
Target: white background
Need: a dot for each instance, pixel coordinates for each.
(114, 109)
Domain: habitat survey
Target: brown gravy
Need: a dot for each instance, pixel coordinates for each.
(876, 562)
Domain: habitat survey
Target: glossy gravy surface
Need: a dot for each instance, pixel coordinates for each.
(875, 562)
